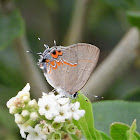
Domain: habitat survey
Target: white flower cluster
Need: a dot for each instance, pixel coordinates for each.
(57, 108)
(50, 118)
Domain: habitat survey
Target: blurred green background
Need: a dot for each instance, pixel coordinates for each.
(104, 23)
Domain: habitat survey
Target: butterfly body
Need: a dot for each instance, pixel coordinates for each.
(67, 69)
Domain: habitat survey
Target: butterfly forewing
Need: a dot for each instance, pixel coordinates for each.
(78, 61)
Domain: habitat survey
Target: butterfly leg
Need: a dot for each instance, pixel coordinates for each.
(54, 90)
(74, 95)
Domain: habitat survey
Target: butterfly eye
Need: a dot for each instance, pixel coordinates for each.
(44, 60)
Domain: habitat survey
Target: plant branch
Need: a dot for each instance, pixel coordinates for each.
(74, 34)
(29, 68)
(117, 63)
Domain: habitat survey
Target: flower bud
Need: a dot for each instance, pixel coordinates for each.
(34, 116)
(30, 123)
(33, 104)
(26, 99)
(19, 119)
(10, 102)
(13, 110)
(25, 113)
(65, 136)
(78, 134)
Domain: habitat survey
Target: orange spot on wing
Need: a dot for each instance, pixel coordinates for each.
(52, 63)
(69, 64)
(59, 63)
(54, 54)
(47, 60)
(59, 52)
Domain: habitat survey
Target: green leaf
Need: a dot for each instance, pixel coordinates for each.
(104, 136)
(107, 112)
(130, 133)
(134, 18)
(74, 137)
(118, 131)
(86, 123)
(11, 26)
(98, 135)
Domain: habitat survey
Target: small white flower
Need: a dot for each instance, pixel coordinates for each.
(34, 116)
(48, 106)
(22, 132)
(76, 113)
(35, 133)
(64, 113)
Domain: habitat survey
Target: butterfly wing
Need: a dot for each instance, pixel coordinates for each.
(78, 61)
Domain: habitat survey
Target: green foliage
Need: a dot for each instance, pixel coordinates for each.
(130, 7)
(134, 18)
(107, 112)
(11, 26)
(130, 133)
(134, 95)
(104, 136)
(86, 123)
(120, 3)
(120, 131)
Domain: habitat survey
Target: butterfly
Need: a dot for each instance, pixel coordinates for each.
(67, 69)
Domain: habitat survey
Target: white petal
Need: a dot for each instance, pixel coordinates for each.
(59, 119)
(22, 133)
(26, 88)
(48, 116)
(63, 101)
(11, 102)
(76, 116)
(81, 113)
(31, 136)
(75, 106)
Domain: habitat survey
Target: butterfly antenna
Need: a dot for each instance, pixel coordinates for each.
(54, 43)
(34, 52)
(46, 46)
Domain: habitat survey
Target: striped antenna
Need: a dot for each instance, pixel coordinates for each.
(46, 46)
